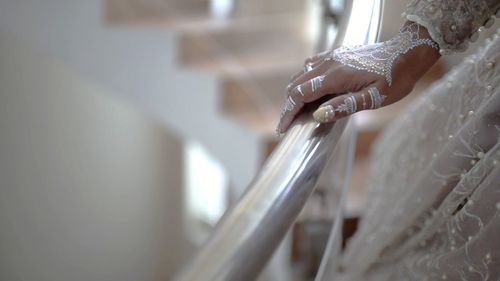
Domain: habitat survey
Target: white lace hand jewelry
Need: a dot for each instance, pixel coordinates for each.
(289, 104)
(316, 83)
(379, 58)
(348, 106)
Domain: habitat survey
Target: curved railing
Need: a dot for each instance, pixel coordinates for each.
(249, 233)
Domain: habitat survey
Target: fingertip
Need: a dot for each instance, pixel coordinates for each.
(336, 108)
(280, 128)
(278, 132)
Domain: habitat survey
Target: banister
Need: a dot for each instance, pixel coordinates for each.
(248, 234)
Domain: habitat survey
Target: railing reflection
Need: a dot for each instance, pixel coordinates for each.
(249, 233)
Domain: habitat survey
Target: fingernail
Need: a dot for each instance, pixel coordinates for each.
(324, 114)
(278, 132)
(279, 129)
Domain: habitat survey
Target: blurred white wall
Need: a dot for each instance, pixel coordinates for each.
(90, 189)
(137, 64)
(391, 18)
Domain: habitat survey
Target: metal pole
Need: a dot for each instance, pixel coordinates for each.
(248, 234)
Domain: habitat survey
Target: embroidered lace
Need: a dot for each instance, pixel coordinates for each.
(379, 58)
(452, 23)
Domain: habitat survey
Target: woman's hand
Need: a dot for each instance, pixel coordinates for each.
(360, 77)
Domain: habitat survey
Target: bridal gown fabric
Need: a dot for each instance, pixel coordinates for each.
(433, 209)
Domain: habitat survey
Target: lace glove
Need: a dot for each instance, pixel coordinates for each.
(452, 23)
(360, 77)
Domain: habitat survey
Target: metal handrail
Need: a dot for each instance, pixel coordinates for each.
(249, 233)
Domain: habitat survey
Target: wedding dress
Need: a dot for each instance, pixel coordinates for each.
(434, 201)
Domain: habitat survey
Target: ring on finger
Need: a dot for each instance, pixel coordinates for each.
(376, 98)
(349, 105)
(364, 101)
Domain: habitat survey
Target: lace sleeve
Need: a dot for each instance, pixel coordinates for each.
(452, 23)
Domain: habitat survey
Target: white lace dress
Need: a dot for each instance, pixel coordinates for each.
(434, 203)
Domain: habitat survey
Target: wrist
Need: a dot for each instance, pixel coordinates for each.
(423, 33)
(417, 61)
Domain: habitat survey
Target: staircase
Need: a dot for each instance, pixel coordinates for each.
(252, 47)
(233, 60)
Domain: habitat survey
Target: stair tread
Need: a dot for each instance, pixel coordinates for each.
(195, 13)
(236, 51)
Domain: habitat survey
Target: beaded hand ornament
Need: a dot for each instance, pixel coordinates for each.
(349, 106)
(379, 58)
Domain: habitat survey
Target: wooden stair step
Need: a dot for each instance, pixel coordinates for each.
(255, 102)
(274, 45)
(180, 14)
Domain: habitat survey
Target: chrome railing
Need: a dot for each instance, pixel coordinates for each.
(249, 233)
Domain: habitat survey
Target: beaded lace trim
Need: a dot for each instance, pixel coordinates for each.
(379, 58)
(453, 23)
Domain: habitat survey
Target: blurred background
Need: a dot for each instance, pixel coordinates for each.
(127, 128)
